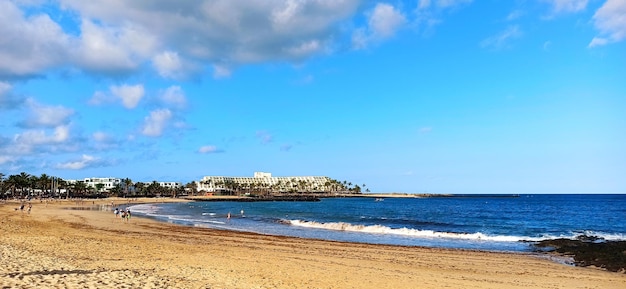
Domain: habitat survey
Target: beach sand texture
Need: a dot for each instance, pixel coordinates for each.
(57, 248)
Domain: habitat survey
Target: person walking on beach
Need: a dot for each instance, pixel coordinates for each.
(30, 206)
(127, 215)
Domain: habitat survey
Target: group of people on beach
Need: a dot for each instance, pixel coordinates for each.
(124, 214)
(23, 205)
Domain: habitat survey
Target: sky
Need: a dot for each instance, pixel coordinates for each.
(427, 96)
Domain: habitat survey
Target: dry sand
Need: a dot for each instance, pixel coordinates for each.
(57, 248)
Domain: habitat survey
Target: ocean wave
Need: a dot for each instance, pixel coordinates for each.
(378, 229)
(144, 209)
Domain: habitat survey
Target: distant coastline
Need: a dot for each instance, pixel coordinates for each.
(317, 197)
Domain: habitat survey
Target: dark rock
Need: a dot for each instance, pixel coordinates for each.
(590, 251)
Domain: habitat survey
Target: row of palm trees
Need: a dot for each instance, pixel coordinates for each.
(24, 185)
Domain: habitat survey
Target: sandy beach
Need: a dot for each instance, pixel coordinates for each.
(53, 247)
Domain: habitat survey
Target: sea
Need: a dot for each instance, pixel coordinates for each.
(478, 222)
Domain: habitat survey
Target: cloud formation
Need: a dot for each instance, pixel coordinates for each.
(46, 116)
(611, 22)
(209, 149)
(29, 44)
(264, 136)
(84, 162)
(502, 39)
(174, 97)
(130, 95)
(156, 122)
(382, 23)
(567, 6)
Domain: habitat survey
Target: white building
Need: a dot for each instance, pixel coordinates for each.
(171, 185)
(264, 181)
(108, 183)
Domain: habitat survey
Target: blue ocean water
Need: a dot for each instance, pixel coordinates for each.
(473, 222)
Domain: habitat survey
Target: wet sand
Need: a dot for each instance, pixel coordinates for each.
(53, 247)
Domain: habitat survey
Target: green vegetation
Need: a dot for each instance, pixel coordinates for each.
(25, 185)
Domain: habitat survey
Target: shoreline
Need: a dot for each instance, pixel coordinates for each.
(73, 247)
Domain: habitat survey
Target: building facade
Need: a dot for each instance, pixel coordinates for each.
(262, 181)
(171, 185)
(108, 183)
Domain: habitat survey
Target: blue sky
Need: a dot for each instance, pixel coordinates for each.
(448, 96)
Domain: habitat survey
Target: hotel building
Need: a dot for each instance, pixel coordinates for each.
(171, 185)
(108, 183)
(264, 181)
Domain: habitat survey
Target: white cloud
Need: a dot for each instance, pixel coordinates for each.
(264, 136)
(174, 97)
(514, 15)
(429, 12)
(99, 98)
(100, 136)
(129, 94)
(31, 141)
(425, 129)
(221, 71)
(440, 4)
(567, 6)
(113, 49)
(610, 20)
(286, 147)
(9, 100)
(383, 22)
(5, 87)
(209, 149)
(598, 41)
(169, 64)
(211, 32)
(156, 122)
(29, 45)
(502, 39)
(6, 159)
(46, 116)
(85, 161)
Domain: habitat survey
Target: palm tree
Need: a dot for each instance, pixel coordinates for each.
(24, 181)
(43, 182)
(79, 189)
(140, 187)
(127, 183)
(2, 187)
(58, 184)
(191, 186)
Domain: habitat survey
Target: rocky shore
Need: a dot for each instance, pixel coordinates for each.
(589, 251)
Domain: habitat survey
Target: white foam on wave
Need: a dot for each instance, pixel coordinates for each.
(378, 229)
(606, 236)
(208, 214)
(147, 209)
